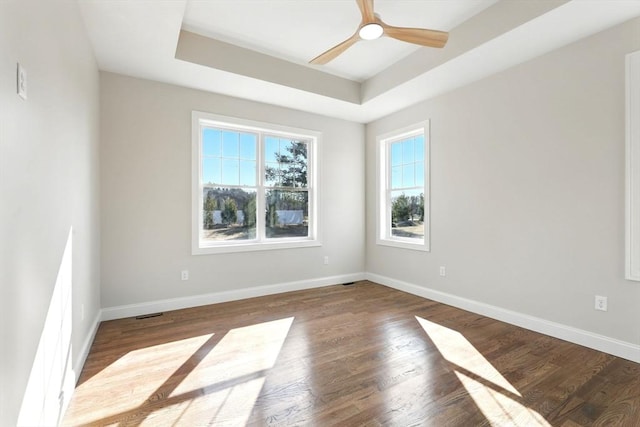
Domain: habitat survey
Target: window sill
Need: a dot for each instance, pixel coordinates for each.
(422, 246)
(252, 247)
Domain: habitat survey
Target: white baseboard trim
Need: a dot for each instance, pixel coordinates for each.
(598, 342)
(123, 311)
(86, 346)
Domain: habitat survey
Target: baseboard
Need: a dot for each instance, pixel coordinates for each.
(123, 311)
(68, 388)
(598, 342)
(86, 346)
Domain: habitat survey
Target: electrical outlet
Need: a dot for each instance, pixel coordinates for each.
(601, 303)
(326, 260)
(443, 270)
(21, 82)
(185, 275)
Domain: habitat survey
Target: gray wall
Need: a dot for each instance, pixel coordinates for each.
(527, 182)
(48, 184)
(146, 197)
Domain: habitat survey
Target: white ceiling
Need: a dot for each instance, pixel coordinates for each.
(259, 49)
(299, 30)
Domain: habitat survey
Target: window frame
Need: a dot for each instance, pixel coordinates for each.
(201, 120)
(384, 235)
(632, 169)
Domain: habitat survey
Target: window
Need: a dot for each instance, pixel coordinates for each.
(633, 166)
(403, 197)
(254, 185)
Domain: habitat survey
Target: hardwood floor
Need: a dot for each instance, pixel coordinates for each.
(353, 355)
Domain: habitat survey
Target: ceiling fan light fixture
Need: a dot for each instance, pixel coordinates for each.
(372, 27)
(370, 31)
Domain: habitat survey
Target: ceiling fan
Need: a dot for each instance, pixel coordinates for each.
(372, 27)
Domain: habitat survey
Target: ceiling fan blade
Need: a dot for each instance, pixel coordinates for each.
(421, 36)
(366, 8)
(332, 53)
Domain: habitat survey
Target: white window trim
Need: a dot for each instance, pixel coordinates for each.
(198, 119)
(632, 270)
(383, 211)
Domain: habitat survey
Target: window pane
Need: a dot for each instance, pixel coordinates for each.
(407, 214)
(211, 171)
(419, 146)
(247, 173)
(211, 142)
(272, 174)
(419, 174)
(407, 151)
(396, 177)
(286, 146)
(230, 143)
(271, 149)
(396, 153)
(408, 175)
(291, 167)
(298, 165)
(293, 164)
(248, 146)
(230, 172)
(228, 214)
(287, 214)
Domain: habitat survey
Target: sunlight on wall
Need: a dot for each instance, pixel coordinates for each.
(498, 400)
(52, 378)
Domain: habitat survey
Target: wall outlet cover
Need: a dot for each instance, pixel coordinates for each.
(21, 82)
(601, 303)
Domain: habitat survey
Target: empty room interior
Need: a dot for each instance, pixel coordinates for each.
(252, 212)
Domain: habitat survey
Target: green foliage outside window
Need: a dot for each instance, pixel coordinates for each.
(407, 208)
(229, 212)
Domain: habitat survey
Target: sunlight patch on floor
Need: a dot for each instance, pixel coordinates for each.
(456, 349)
(225, 407)
(230, 377)
(499, 408)
(186, 382)
(496, 398)
(129, 389)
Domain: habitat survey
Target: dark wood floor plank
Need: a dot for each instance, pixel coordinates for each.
(348, 356)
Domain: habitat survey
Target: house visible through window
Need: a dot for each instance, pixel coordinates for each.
(403, 201)
(254, 185)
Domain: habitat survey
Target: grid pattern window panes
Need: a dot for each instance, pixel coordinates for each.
(255, 187)
(403, 219)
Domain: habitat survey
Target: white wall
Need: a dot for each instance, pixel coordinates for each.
(146, 199)
(527, 182)
(48, 187)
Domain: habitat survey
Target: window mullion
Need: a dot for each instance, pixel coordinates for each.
(260, 196)
(388, 214)
(200, 180)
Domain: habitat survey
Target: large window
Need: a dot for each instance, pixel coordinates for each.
(254, 185)
(403, 196)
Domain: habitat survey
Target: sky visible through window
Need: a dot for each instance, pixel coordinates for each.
(407, 166)
(229, 157)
